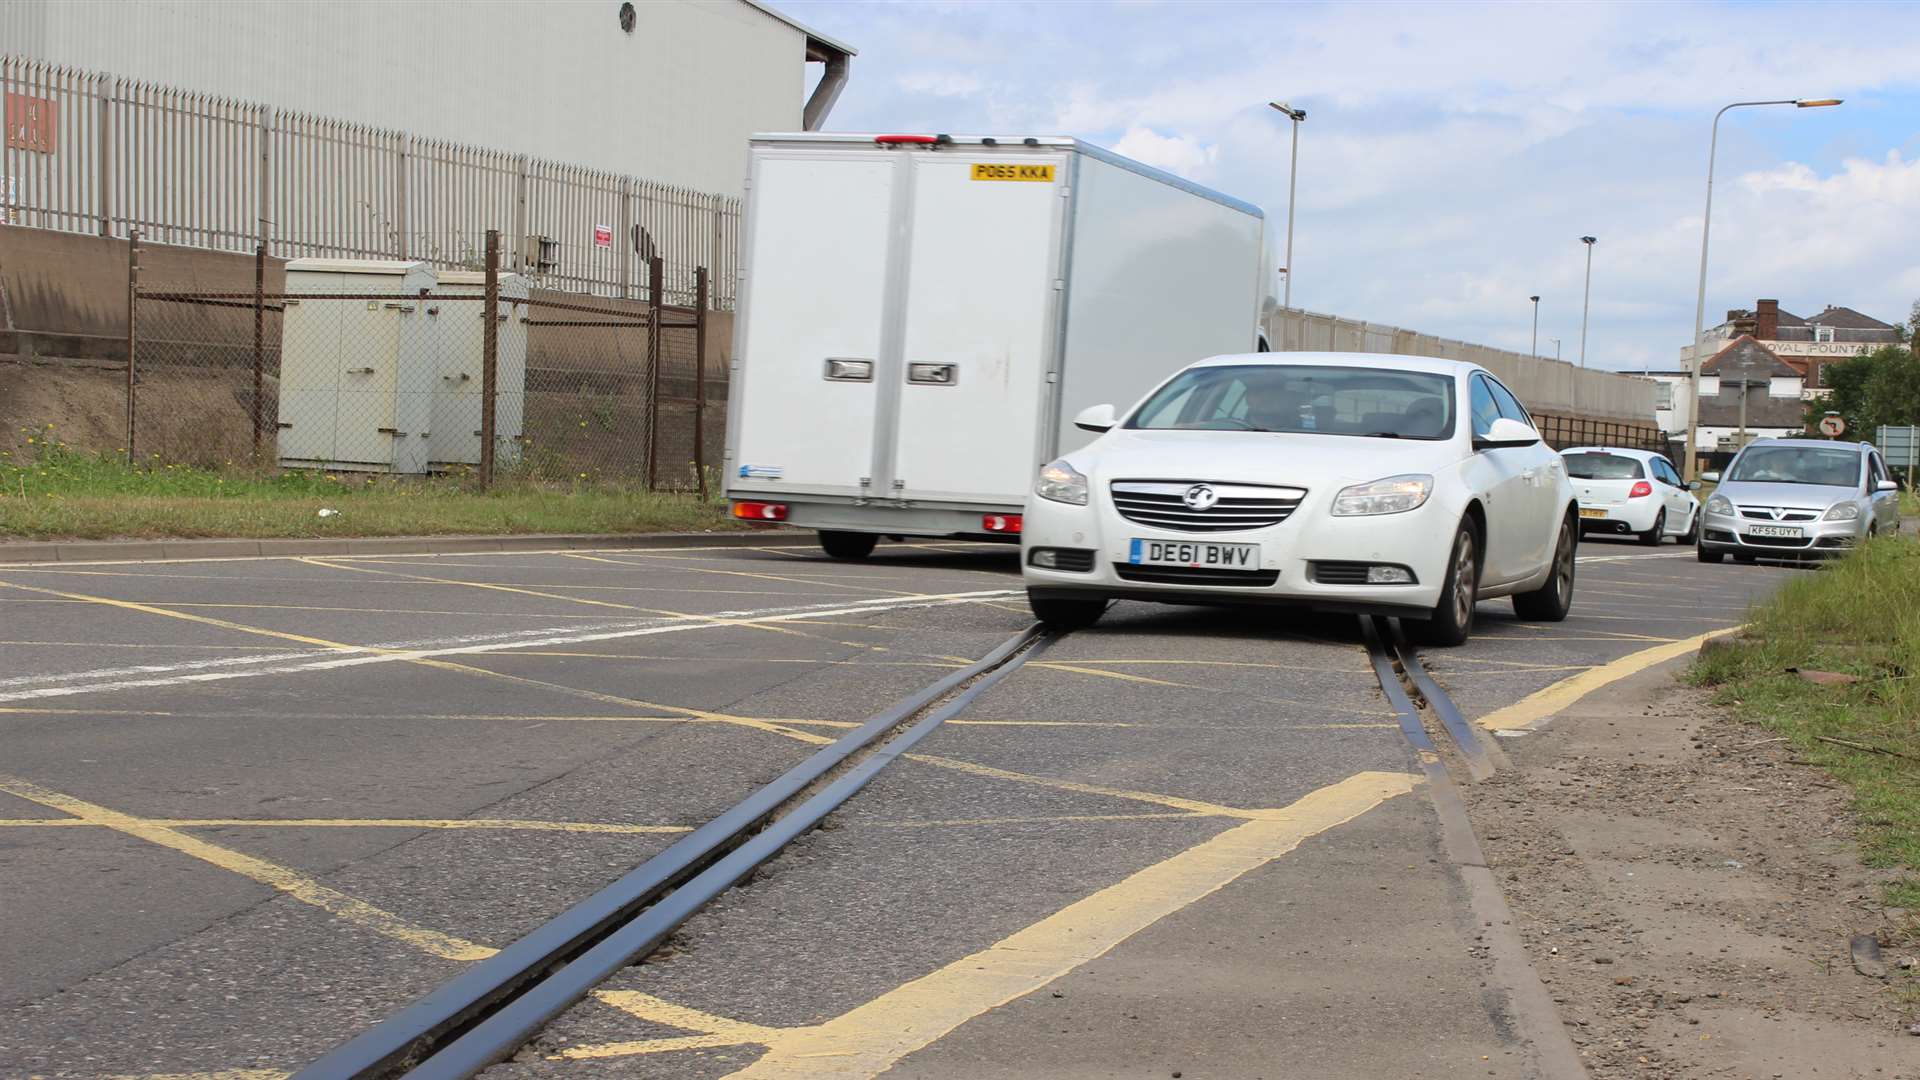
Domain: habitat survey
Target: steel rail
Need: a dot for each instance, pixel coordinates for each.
(487, 1011)
(1465, 735)
(1403, 707)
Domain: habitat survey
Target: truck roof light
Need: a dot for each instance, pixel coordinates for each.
(920, 140)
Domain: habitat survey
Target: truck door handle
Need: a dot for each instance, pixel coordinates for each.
(849, 369)
(933, 374)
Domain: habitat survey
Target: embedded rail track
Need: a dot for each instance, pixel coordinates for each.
(486, 1013)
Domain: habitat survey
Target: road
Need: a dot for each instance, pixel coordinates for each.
(250, 807)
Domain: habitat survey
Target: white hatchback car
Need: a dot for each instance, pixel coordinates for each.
(1345, 481)
(1632, 492)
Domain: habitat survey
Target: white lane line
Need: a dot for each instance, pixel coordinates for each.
(357, 655)
(371, 555)
(1686, 553)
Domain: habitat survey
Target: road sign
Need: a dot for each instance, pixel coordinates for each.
(1832, 426)
(1899, 445)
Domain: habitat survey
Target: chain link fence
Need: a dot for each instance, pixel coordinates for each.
(394, 368)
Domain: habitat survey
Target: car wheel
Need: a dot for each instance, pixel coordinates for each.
(847, 545)
(1704, 555)
(1653, 536)
(1066, 613)
(1553, 599)
(1451, 621)
(1693, 529)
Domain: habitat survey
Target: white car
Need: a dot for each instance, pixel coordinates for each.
(1344, 481)
(1632, 492)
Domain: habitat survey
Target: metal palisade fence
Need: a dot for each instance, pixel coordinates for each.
(391, 368)
(92, 153)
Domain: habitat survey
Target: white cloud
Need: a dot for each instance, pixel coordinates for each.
(1181, 156)
(1454, 153)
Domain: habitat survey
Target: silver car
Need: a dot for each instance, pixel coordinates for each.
(1792, 498)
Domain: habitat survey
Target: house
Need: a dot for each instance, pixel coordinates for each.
(1746, 368)
(1804, 344)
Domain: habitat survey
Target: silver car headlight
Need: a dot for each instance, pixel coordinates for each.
(1720, 505)
(1392, 495)
(1062, 483)
(1843, 512)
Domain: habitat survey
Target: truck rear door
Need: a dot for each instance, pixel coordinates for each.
(816, 263)
(981, 305)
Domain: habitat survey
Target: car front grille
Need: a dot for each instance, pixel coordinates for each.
(1778, 513)
(1163, 504)
(1192, 575)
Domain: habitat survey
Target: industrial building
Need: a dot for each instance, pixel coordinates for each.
(667, 90)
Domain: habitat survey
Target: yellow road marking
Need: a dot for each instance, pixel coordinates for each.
(504, 824)
(869, 1039)
(1075, 669)
(828, 584)
(321, 607)
(291, 882)
(1231, 664)
(739, 659)
(205, 620)
(1192, 805)
(446, 665)
(1038, 820)
(223, 1074)
(1544, 703)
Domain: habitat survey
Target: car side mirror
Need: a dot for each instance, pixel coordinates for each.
(1693, 485)
(1506, 433)
(1095, 418)
(1886, 485)
(1710, 477)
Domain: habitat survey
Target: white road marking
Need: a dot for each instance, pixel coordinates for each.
(354, 656)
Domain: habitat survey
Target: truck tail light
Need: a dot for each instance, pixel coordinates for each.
(760, 511)
(1000, 523)
(1640, 490)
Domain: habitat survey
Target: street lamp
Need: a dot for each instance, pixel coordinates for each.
(1293, 165)
(1700, 303)
(1587, 301)
(1536, 326)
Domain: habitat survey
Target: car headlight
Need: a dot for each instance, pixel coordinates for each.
(1721, 505)
(1843, 512)
(1393, 495)
(1062, 483)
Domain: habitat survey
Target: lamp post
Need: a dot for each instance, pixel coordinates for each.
(1536, 326)
(1587, 301)
(1293, 166)
(1700, 302)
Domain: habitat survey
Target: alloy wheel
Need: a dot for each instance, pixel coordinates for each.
(1465, 571)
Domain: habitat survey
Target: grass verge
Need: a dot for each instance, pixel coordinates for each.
(61, 494)
(1859, 616)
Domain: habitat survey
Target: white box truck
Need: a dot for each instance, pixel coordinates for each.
(921, 317)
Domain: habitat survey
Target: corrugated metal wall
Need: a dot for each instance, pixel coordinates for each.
(673, 101)
(1545, 386)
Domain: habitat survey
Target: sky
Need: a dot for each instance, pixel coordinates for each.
(1454, 153)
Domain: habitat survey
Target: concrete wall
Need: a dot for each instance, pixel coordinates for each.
(673, 101)
(65, 294)
(1545, 386)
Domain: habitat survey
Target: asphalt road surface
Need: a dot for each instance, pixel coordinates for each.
(250, 807)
